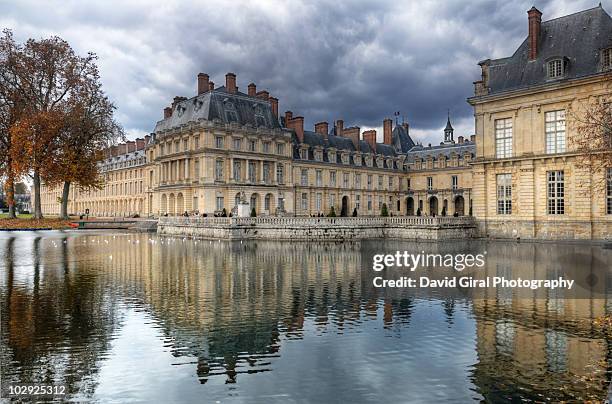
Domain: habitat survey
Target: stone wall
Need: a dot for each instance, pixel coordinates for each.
(319, 228)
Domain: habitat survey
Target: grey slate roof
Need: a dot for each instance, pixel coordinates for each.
(579, 37)
(443, 149)
(401, 140)
(313, 139)
(221, 105)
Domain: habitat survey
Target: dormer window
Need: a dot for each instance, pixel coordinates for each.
(606, 59)
(555, 69)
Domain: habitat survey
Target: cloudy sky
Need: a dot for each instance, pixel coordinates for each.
(356, 60)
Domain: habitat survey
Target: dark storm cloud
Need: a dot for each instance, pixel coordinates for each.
(359, 61)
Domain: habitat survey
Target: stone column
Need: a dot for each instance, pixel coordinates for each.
(525, 202)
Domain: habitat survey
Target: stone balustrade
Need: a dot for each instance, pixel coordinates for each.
(319, 228)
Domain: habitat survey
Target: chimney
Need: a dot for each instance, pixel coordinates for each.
(339, 127)
(274, 105)
(387, 130)
(473, 138)
(353, 134)
(535, 19)
(114, 150)
(230, 83)
(121, 148)
(322, 128)
(460, 139)
(140, 144)
(288, 117)
(131, 146)
(297, 124)
(252, 89)
(202, 83)
(167, 112)
(175, 101)
(211, 86)
(146, 140)
(263, 94)
(370, 137)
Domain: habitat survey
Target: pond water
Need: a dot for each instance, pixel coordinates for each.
(123, 317)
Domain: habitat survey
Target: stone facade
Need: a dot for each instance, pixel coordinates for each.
(526, 183)
(318, 228)
(221, 145)
(124, 186)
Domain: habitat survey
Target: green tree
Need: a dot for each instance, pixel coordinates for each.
(332, 212)
(383, 211)
(355, 212)
(253, 212)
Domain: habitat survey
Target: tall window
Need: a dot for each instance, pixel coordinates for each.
(454, 182)
(609, 192)
(357, 180)
(252, 145)
(390, 183)
(185, 144)
(237, 169)
(219, 170)
(219, 203)
(196, 169)
(304, 177)
(503, 138)
(555, 193)
(219, 142)
(304, 201)
(346, 180)
(319, 178)
(429, 183)
(369, 202)
(332, 179)
(358, 201)
(280, 174)
(267, 200)
(319, 202)
(237, 144)
(555, 131)
(280, 149)
(251, 169)
(196, 142)
(266, 147)
(332, 200)
(555, 69)
(504, 194)
(369, 181)
(266, 173)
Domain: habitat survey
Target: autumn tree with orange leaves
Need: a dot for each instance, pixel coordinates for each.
(62, 121)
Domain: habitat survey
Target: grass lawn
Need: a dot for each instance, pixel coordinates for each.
(19, 216)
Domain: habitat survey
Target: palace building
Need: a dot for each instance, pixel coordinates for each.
(526, 180)
(517, 175)
(211, 149)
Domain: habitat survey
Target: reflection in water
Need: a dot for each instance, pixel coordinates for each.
(129, 316)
